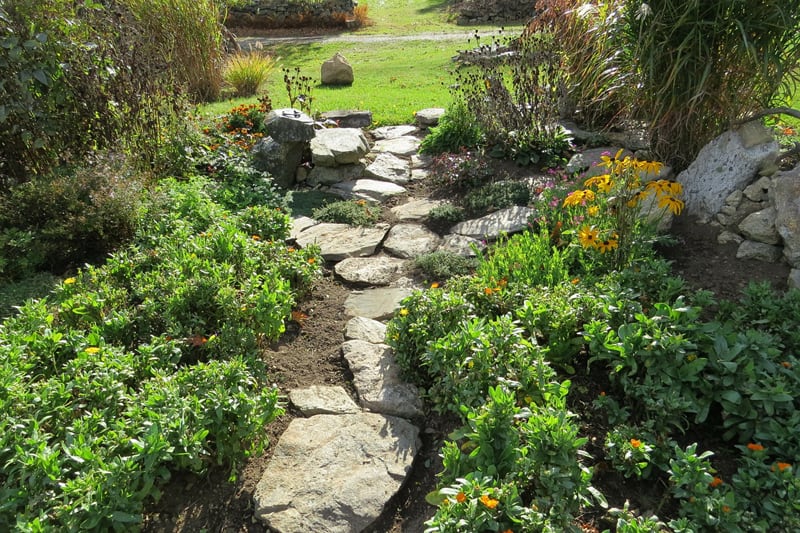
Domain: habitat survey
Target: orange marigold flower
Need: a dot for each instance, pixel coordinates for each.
(256, 238)
(575, 281)
(312, 260)
(489, 502)
(290, 249)
(461, 497)
(435, 285)
(786, 364)
(716, 482)
(753, 447)
(602, 393)
(636, 443)
(488, 291)
(783, 466)
(726, 509)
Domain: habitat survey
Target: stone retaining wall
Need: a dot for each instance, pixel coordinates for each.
(291, 13)
(494, 11)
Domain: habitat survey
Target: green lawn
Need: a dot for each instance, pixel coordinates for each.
(392, 79)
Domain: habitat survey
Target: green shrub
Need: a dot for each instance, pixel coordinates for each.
(445, 265)
(461, 170)
(440, 219)
(496, 196)
(57, 221)
(457, 129)
(353, 212)
(246, 72)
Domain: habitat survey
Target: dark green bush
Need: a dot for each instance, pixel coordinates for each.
(495, 196)
(62, 220)
(442, 218)
(457, 129)
(353, 212)
(445, 265)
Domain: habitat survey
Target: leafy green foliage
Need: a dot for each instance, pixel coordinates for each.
(457, 130)
(495, 196)
(353, 212)
(445, 265)
(145, 365)
(60, 220)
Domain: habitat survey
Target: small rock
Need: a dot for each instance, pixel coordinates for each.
(760, 226)
(331, 175)
(759, 251)
(794, 279)
(729, 237)
(758, 191)
(429, 117)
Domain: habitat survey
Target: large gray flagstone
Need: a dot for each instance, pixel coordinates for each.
(393, 132)
(377, 303)
(378, 270)
(411, 240)
(339, 241)
(389, 167)
(404, 146)
(322, 400)
(490, 227)
(375, 190)
(335, 473)
(376, 376)
(365, 329)
(338, 146)
(415, 209)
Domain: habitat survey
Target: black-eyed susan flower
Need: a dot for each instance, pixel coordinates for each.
(587, 236)
(671, 203)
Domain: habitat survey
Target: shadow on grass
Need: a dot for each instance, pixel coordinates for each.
(436, 6)
(14, 294)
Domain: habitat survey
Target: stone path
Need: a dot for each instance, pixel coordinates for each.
(335, 470)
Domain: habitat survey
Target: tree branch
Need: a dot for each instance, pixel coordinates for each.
(771, 111)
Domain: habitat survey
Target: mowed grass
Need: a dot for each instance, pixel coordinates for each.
(392, 79)
(407, 17)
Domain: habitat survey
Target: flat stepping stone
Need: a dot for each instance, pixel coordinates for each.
(411, 240)
(393, 132)
(335, 473)
(365, 329)
(340, 241)
(421, 161)
(403, 146)
(330, 175)
(490, 227)
(377, 379)
(338, 146)
(461, 245)
(418, 174)
(389, 167)
(322, 400)
(415, 210)
(378, 303)
(378, 270)
(366, 189)
(301, 224)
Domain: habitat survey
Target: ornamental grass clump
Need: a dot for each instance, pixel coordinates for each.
(246, 72)
(618, 211)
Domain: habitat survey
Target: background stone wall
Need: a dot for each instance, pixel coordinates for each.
(494, 11)
(290, 13)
